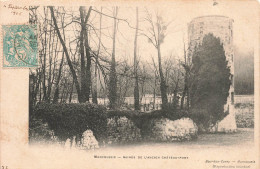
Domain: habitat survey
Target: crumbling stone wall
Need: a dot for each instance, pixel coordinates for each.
(122, 130)
(88, 140)
(167, 130)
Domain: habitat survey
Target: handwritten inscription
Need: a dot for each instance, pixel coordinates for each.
(16, 9)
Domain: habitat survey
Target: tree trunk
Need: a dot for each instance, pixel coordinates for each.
(40, 92)
(136, 88)
(87, 49)
(163, 86)
(88, 68)
(48, 97)
(83, 76)
(188, 95)
(175, 92)
(184, 93)
(186, 86)
(37, 86)
(154, 90)
(56, 93)
(71, 91)
(85, 69)
(95, 79)
(44, 59)
(113, 78)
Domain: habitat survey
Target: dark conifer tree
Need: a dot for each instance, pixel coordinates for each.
(211, 80)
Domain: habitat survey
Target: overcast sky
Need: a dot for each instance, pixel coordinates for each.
(178, 14)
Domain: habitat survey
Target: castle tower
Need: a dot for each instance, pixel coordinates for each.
(222, 28)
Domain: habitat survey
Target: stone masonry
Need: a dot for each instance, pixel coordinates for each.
(122, 130)
(166, 130)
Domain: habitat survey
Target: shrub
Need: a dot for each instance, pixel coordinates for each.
(39, 131)
(174, 113)
(68, 120)
(244, 115)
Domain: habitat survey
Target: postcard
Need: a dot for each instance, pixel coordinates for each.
(129, 84)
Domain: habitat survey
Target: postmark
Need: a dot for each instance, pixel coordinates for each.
(20, 46)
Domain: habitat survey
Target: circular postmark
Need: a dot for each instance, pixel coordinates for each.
(23, 44)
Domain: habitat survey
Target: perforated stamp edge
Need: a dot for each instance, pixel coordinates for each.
(2, 49)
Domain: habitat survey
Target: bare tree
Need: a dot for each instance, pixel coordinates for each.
(173, 79)
(187, 72)
(157, 32)
(95, 78)
(136, 87)
(85, 52)
(113, 77)
(73, 72)
(44, 52)
(57, 88)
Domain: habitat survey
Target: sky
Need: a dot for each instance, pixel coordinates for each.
(178, 14)
(175, 13)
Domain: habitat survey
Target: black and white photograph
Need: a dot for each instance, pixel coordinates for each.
(117, 76)
(160, 84)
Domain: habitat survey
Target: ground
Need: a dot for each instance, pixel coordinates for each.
(189, 154)
(244, 137)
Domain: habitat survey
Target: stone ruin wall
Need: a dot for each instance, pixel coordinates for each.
(122, 130)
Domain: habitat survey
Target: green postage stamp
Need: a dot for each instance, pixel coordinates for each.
(20, 46)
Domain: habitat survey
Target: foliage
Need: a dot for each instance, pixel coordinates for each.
(67, 120)
(141, 118)
(39, 131)
(211, 81)
(201, 117)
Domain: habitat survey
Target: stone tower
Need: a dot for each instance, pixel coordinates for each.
(222, 28)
